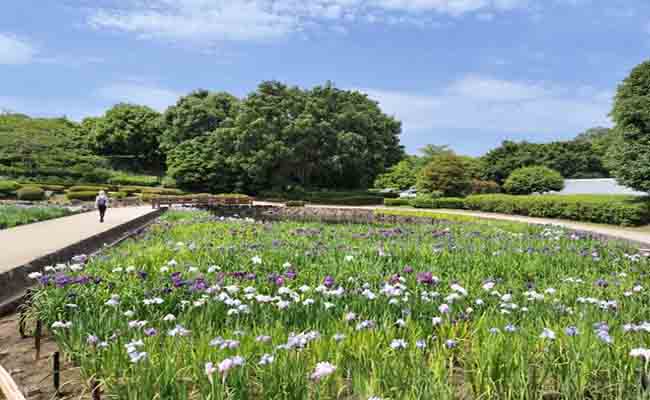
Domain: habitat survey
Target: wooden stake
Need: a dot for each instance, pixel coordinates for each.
(37, 338)
(95, 390)
(56, 371)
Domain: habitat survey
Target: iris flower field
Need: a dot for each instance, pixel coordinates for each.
(206, 308)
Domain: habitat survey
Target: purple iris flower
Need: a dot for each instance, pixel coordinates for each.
(328, 282)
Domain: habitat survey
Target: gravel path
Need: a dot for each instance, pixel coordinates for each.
(22, 244)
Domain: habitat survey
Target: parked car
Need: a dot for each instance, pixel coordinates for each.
(410, 193)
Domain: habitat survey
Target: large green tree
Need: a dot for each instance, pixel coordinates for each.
(446, 173)
(285, 136)
(128, 134)
(630, 160)
(199, 113)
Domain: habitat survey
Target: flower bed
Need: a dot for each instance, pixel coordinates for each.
(201, 308)
(11, 216)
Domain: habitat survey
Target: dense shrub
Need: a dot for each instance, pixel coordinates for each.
(162, 191)
(446, 173)
(423, 201)
(295, 203)
(134, 180)
(615, 210)
(169, 182)
(31, 193)
(400, 176)
(485, 187)
(83, 196)
(397, 202)
(530, 180)
(129, 190)
(8, 187)
(95, 189)
(117, 195)
(51, 188)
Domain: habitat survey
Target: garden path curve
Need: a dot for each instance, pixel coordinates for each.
(22, 244)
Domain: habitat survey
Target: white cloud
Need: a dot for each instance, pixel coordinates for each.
(492, 105)
(197, 20)
(14, 51)
(139, 93)
(452, 7)
(209, 21)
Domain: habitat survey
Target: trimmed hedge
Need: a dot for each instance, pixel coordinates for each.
(8, 187)
(129, 190)
(134, 180)
(399, 202)
(615, 210)
(438, 202)
(117, 195)
(31, 193)
(163, 192)
(83, 196)
(96, 189)
(51, 188)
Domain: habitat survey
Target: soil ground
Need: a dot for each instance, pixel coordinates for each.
(34, 377)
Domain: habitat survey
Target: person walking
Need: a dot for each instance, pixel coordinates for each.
(101, 202)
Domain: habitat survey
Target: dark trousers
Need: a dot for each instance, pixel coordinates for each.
(102, 212)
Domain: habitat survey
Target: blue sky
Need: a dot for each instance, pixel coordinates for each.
(468, 73)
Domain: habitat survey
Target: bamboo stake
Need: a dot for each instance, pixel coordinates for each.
(9, 387)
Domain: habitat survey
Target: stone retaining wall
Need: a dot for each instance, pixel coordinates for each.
(14, 283)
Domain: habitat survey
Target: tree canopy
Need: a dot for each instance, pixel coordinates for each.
(630, 157)
(282, 135)
(196, 114)
(577, 158)
(130, 135)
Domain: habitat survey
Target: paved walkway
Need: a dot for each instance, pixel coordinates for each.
(20, 245)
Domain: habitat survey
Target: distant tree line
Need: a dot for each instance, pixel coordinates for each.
(282, 137)
(278, 137)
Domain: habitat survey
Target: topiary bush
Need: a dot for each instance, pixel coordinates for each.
(446, 173)
(8, 187)
(83, 196)
(31, 193)
(536, 179)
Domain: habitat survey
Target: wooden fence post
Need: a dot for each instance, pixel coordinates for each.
(37, 338)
